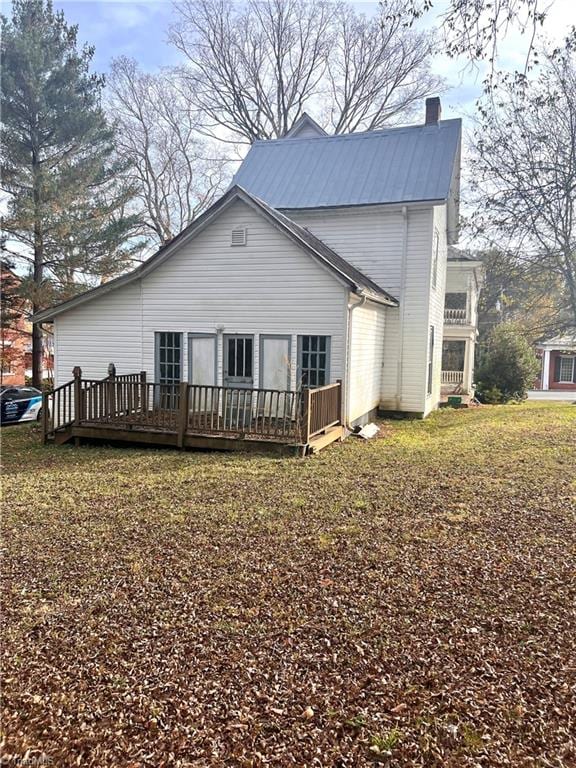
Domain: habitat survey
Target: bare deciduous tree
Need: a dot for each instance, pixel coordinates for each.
(175, 172)
(377, 70)
(256, 67)
(476, 27)
(524, 173)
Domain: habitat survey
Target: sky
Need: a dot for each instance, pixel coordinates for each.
(138, 29)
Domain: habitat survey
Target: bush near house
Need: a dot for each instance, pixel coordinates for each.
(508, 366)
(407, 601)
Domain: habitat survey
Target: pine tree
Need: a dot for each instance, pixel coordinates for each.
(67, 214)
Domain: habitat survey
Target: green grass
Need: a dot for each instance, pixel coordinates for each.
(167, 608)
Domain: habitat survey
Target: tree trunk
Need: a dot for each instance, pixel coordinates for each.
(37, 355)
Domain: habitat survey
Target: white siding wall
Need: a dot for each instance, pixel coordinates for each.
(106, 330)
(268, 286)
(373, 239)
(306, 132)
(436, 302)
(366, 359)
(369, 238)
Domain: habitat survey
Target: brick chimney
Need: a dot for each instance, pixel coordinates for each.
(433, 110)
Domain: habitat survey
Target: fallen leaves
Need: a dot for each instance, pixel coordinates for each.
(408, 601)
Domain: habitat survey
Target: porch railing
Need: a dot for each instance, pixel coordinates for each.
(452, 377)
(456, 316)
(131, 402)
(322, 408)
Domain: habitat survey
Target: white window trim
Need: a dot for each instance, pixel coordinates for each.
(569, 380)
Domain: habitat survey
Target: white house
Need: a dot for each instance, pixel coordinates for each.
(329, 258)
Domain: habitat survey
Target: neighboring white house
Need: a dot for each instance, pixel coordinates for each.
(328, 258)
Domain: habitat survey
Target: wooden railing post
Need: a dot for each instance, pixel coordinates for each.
(306, 413)
(183, 415)
(111, 389)
(143, 392)
(339, 409)
(77, 394)
(45, 416)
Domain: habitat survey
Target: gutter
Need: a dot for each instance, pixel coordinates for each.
(351, 308)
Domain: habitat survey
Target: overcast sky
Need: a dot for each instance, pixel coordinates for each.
(138, 29)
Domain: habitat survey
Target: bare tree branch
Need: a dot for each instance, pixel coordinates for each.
(524, 172)
(175, 172)
(255, 67)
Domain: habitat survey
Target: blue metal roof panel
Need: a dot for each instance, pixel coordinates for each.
(395, 165)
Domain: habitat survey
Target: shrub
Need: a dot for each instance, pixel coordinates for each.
(508, 366)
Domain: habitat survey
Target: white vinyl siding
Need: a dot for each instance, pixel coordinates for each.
(366, 359)
(269, 286)
(407, 328)
(372, 240)
(105, 330)
(436, 302)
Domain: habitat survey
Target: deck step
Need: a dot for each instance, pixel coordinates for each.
(62, 436)
(321, 441)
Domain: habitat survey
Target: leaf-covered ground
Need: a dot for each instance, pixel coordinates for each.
(408, 601)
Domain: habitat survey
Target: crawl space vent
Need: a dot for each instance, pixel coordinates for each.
(238, 237)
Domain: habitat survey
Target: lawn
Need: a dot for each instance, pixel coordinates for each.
(408, 601)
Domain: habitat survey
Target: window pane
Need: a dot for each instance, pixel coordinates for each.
(231, 357)
(169, 357)
(239, 357)
(566, 369)
(248, 358)
(314, 360)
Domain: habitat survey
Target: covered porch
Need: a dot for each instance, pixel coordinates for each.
(128, 408)
(457, 365)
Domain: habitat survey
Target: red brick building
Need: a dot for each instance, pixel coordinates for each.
(558, 357)
(16, 337)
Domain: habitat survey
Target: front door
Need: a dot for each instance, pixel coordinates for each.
(239, 361)
(239, 375)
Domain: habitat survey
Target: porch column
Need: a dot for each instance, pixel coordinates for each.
(468, 362)
(546, 369)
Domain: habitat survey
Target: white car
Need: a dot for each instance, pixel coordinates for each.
(19, 404)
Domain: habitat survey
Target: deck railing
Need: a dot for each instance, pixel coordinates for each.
(130, 402)
(456, 316)
(57, 408)
(322, 409)
(452, 377)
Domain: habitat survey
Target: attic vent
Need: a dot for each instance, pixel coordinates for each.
(238, 237)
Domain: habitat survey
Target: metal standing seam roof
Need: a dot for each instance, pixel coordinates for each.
(396, 165)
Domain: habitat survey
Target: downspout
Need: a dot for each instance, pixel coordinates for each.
(399, 360)
(351, 308)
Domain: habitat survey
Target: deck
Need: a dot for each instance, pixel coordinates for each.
(130, 409)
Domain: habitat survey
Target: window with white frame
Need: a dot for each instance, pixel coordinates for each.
(313, 361)
(566, 369)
